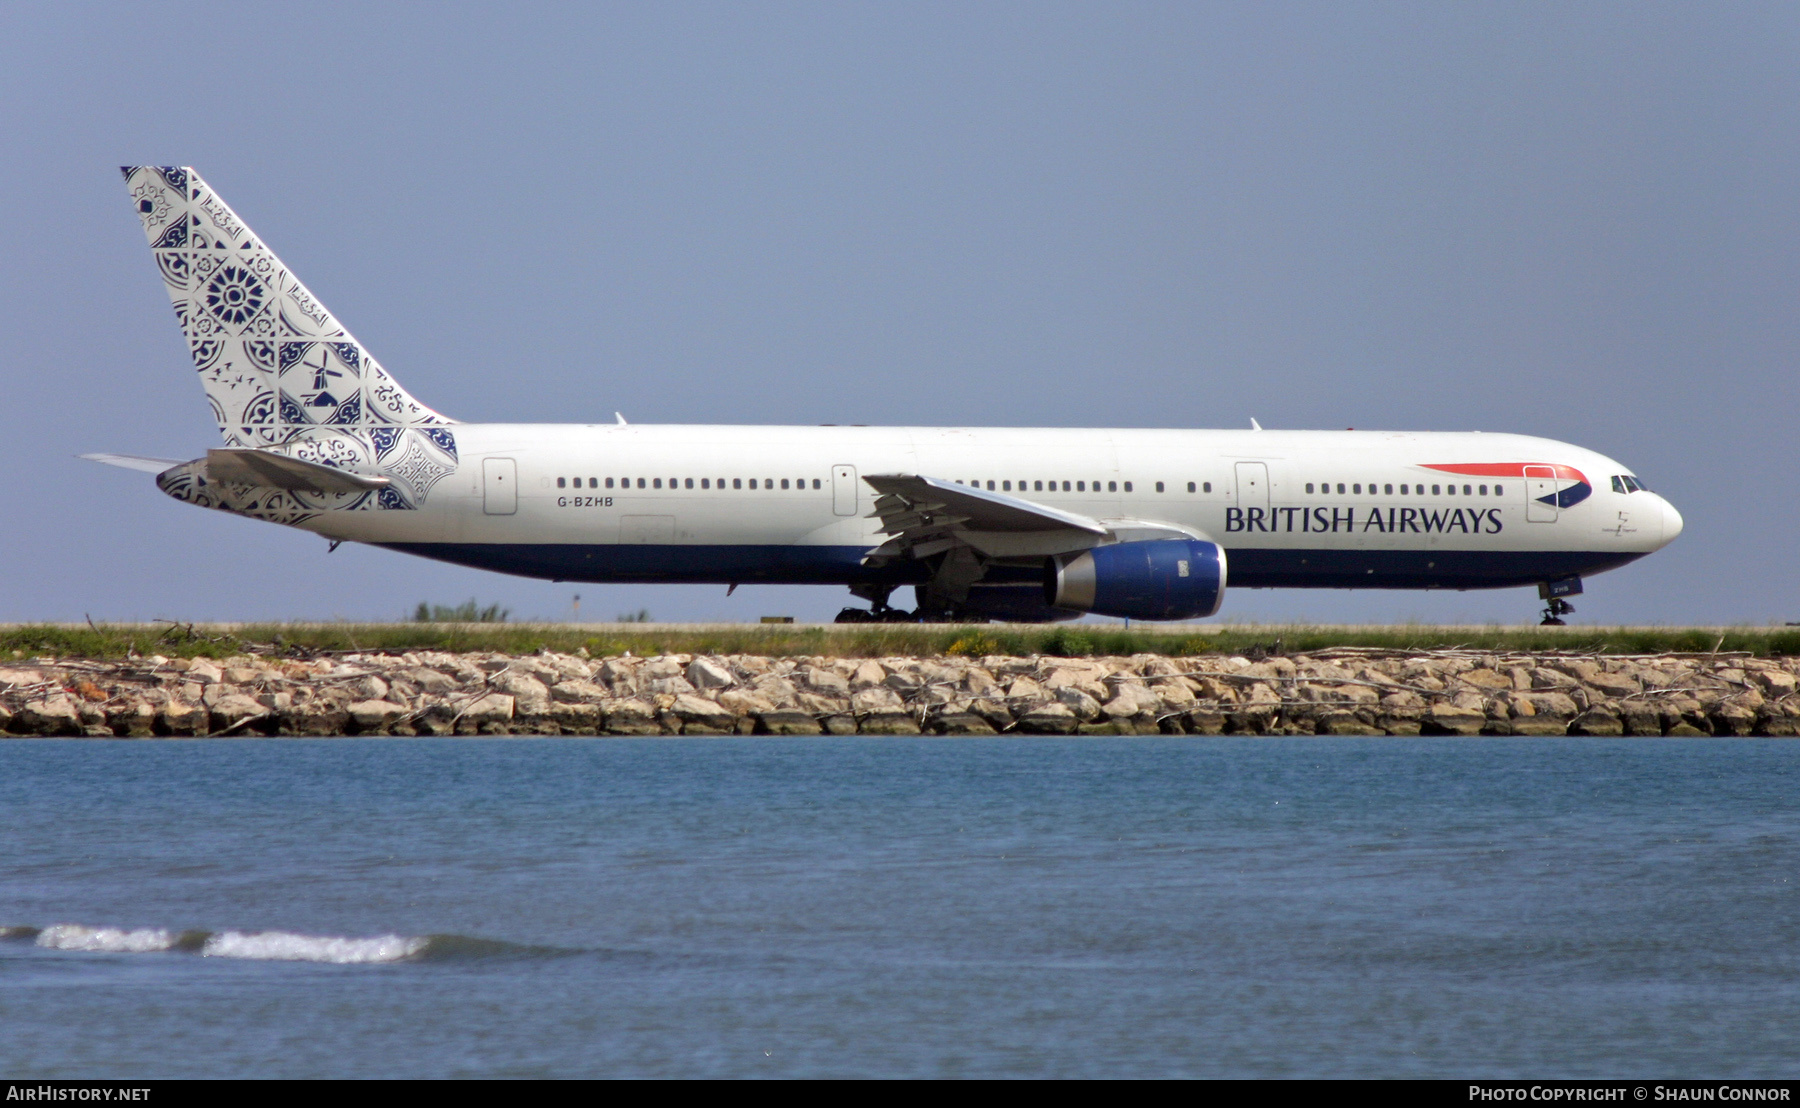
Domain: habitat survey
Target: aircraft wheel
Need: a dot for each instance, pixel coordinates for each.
(854, 615)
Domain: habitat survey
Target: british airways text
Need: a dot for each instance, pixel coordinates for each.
(1469, 521)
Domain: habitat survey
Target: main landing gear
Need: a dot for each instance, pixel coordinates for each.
(876, 615)
(878, 612)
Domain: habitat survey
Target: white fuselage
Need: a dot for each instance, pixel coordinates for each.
(1291, 508)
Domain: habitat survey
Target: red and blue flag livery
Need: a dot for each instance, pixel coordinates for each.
(1574, 485)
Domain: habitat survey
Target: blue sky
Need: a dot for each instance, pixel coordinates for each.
(1569, 220)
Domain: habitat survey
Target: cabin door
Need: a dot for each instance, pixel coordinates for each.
(1540, 494)
(843, 490)
(1253, 486)
(499, 486)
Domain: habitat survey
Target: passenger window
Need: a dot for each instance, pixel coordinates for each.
(1204, 488)
(784, 481)
(1402, 490)
(1465, 490)
(1065, 486)
(560, 484)
(1128, 486)
(1038, 486)
(1081, 486)
(768, 483)
(1112, 486)
(687, 483)
(1451, 489)
(656, 482)
(737, 482)
(1389, 489)
(1309, 487)
(609, 482)
(1340, 488)
(752, 482)
(1191, 486)
(1357, 489)
(1483, 489)
(1434, 490)
(1499, 490)
(640, 482)
(990, 486)
(1006, 486)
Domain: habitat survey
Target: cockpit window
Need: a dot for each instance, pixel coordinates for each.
(1628, 483)
(1618, 485)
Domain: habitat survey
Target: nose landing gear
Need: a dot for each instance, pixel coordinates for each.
(1555, 610)
(1555, 607)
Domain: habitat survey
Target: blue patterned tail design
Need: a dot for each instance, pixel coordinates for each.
(280, 372)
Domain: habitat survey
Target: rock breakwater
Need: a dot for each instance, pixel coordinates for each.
(1341, 691)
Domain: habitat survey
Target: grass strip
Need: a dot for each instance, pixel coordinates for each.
(105, 641)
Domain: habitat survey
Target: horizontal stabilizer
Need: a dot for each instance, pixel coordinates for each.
(240, 466)
(133, 461)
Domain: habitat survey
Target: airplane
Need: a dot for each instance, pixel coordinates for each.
(1017, 524)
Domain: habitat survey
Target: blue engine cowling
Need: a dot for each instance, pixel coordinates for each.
(1156, 579)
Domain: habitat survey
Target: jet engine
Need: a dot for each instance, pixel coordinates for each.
(1153, 579)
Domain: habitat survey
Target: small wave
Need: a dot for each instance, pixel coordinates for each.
(285, 946)
(276, 946)
(75, 936)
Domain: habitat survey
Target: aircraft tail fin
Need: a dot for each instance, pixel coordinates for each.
(277, 367)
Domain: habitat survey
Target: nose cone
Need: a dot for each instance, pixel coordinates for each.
(1671, 522)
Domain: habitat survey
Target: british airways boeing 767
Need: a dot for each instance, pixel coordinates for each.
(1003, 523)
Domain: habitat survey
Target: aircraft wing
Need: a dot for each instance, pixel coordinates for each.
(926, 515)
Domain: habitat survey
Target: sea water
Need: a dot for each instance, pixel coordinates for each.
(899, 907)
